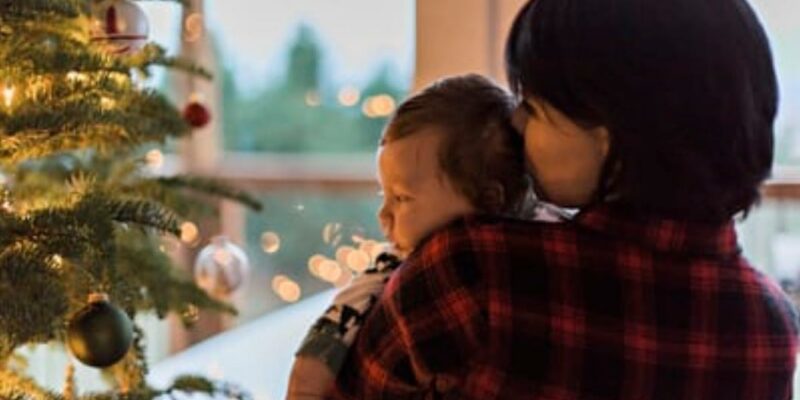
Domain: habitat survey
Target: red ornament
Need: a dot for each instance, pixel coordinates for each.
(196, 114)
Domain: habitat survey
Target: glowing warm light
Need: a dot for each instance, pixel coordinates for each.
(120, 78)
(289, 291)
(358, 260)
(107, 103)
(74, 76)
(314, 263)
(277, 281)
(58, 261)
(378, 106)
(349, 96)
(342, 253)
(329, 271)
(189, 232)
(193, 27)
(312, 98)
(270, 242)
(8, 95)
(154, 158)
(38, 87)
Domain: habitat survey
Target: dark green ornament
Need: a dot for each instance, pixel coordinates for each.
(100, 334)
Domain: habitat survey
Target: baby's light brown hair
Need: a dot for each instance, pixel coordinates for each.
(480, 153)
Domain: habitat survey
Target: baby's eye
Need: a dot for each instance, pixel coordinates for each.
(401, 198)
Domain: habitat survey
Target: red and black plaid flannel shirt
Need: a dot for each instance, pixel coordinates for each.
(603, 307)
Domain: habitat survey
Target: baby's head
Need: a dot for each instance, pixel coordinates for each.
(449, 151)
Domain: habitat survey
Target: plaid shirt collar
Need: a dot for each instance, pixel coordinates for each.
(662, 234)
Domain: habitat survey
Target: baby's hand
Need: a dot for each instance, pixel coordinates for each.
(310, 380)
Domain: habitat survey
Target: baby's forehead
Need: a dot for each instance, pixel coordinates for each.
(413, 158)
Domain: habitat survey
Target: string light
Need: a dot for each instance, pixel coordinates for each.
(314, 263)
(154, 159)
(289, 291)
(58, 261)
(8, 95)
(358, 260)
(107, 103)
(277, 281)
(349, 96)
(378, 106)
(312, 98)
(270, 242)
(342, 253)
(193, 27)
(189, 233)
(330, 271)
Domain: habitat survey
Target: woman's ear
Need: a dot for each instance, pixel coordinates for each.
(603, 139)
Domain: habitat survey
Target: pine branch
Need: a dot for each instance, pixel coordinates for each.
(153, 54)
(144, 213)
(32, 294)
(41, 51)
(183, 203)
(37, 130)
(28, 8)
(14, 386)
(212, 187)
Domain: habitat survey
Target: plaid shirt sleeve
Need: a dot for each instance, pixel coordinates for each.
(435, 310)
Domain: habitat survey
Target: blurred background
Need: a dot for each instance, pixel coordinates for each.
(302, 90)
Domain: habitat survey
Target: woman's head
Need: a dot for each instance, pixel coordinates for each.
(684, 93)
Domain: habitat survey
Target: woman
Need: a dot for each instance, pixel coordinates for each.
(654, 119)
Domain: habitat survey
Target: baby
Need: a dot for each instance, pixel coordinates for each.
(447, 152)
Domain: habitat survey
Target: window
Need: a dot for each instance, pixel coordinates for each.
(780, 20)
(310, 76)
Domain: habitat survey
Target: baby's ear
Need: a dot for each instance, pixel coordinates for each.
(493, 197)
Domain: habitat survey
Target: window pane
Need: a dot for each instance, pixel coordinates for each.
(298, 225)
(310, 75)
(770, 237)
(780, 17)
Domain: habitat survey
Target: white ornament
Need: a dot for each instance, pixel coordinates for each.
(221, 267)
(119, 26)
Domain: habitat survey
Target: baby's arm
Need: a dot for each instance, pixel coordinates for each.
(326, 345)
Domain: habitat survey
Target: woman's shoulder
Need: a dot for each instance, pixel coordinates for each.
(475, 242)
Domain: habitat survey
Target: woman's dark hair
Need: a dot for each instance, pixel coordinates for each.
(480, 153)
(686, 88)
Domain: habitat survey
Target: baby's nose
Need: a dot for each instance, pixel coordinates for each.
(385, 221)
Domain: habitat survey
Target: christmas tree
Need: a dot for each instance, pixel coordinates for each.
(81, 219)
